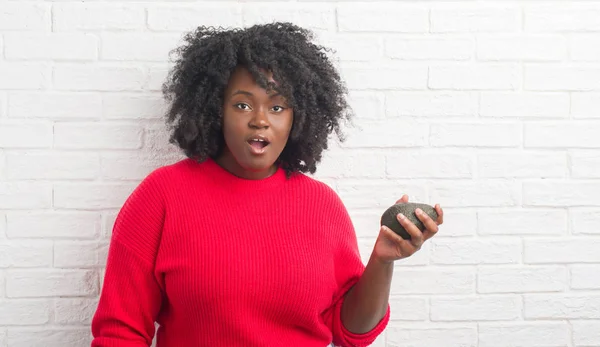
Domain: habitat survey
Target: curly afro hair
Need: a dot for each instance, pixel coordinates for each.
(195, 89)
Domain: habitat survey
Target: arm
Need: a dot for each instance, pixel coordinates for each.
(367, 302)
(131, 293)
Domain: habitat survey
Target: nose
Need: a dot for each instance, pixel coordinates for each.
(259, 119)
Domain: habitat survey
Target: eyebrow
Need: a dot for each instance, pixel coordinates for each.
(250, 94)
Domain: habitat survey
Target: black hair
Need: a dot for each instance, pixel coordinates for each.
(306, 77)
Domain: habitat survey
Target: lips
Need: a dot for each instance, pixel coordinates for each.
(258, 143)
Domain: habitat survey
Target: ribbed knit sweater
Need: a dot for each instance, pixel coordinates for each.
(218, 260)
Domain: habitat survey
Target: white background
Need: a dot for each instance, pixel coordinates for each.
(491, 108)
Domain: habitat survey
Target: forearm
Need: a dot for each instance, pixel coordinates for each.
(366, 303)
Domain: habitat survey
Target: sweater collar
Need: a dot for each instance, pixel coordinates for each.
(233, 183)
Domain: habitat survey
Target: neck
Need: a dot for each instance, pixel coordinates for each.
(228, 162)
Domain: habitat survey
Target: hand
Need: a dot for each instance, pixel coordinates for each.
(390, 246)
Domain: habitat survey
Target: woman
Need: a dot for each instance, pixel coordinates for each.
(235, 245)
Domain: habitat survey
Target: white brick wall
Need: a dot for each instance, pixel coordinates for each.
(490, 108)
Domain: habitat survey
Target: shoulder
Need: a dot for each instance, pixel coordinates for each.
(320, 191)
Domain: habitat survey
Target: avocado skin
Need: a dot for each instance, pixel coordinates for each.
(389, 219)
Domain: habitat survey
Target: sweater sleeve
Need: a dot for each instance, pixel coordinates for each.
(131, 293)
(348, 269)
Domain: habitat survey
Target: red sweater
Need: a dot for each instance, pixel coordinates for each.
(217, 260)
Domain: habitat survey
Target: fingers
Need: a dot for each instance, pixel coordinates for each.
(431, 227)
(440, 212)
(403, 199)
(404, 247)
(416, 236)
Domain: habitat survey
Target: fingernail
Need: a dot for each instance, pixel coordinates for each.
(402, 216)
(419, 211)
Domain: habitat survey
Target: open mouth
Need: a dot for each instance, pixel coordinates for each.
(258, 145)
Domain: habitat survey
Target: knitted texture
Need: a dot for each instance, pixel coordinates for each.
(218, 260)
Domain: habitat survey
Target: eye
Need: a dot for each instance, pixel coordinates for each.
(278, 109)
(242, 106)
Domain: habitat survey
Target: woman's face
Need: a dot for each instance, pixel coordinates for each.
(256, 126)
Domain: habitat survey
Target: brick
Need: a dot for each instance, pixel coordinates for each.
(25, 16)
(135, 166)
(54, 105)
(521, 47)
(86, 17)
(80, 254)
(521, 279)
(431, 334)
(353, 47)
(585, 276)
(386, 134)
(475, 134)
(382, 18)
(156, 142)
(407, 76)
(50, 283)
(3, 338)
(316, 17)
(458, 223)
(473, 251)
(367, 105)
(352, 164)
(97, 136)
(551, 77)
(31, 253)
(562, 134)
(585, 105)
(521, 164)
(25, 135)
(433, 281)
(2, 288)
(522, 222)
(524, 105)
(429, 48)
(52, 165)
(561, 194)
(186, 17)
(74, 311)
(535, 334)
(586, 333)
(55, 46)
(98, 77)
(25, 195)
(474, 76)
(365, 248)
(563, 251)
(3, 99)
(479, 308)
(585, 221)
(18, 75)
(137, 47)
(585, 47)
(108, 222)
(561, 306)
(91, 196)
(72, 225)
(584, 163)
(475, 18)
(24, 312)
(134, 106)
(156, 78)
(377, 193)
(562, 18)
(431, 104)
(429, 164)
(414, 309)
(52, 336)
(487, 193)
